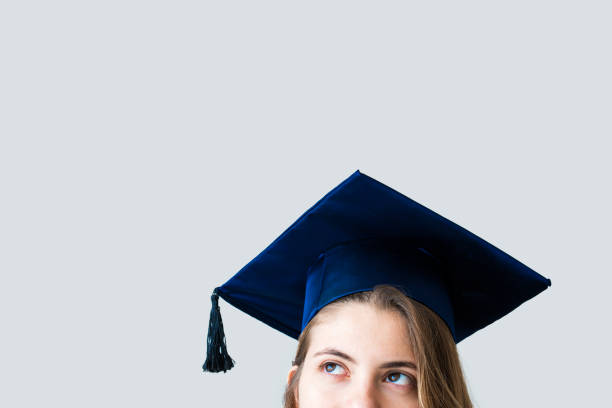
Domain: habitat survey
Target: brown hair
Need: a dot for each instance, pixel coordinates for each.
(440, 381)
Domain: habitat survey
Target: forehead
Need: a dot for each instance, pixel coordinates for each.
(362, 331)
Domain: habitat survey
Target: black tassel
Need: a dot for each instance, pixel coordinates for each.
(217, 358)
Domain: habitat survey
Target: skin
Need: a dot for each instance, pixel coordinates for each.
(368, 338)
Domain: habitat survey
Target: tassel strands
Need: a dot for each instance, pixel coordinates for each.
(217, 358)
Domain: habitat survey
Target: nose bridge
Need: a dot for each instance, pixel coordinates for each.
(363, 392)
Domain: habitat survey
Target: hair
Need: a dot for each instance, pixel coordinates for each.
(440, 381)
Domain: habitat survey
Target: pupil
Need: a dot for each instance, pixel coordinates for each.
(329, 367)
(393, 377)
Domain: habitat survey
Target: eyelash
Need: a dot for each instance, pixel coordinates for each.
(410, 377)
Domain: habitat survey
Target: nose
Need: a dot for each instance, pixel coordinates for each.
(363, 394)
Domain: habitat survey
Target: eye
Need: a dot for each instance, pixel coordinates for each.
(399, 378)
(333, 368)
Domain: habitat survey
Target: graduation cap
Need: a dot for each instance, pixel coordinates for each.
(361, 234)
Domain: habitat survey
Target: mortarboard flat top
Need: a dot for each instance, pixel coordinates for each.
(363, 233)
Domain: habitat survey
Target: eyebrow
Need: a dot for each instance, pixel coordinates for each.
(389, 364)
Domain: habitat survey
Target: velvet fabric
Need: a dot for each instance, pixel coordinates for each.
(363, 233)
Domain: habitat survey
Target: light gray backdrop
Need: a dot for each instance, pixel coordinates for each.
(150, 149)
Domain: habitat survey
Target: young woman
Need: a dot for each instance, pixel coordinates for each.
(376, 349)
(378, 290)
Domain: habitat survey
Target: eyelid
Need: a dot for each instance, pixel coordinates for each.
(326, 362)
(411, 378)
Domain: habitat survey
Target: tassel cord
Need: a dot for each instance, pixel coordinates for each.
(217, 357)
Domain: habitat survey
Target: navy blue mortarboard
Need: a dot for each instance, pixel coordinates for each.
(361, 234)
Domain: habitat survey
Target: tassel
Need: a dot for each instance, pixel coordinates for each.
(217, 358)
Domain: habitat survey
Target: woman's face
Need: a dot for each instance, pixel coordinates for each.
(359, 356)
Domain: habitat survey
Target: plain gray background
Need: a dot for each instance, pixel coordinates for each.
(150, 149)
